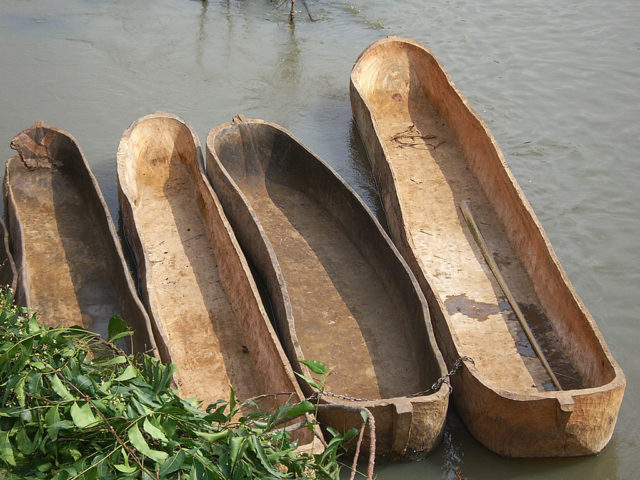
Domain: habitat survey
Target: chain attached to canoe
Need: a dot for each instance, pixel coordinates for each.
(445, 378)
(434, 388)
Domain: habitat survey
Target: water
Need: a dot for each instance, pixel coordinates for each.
(557, 82)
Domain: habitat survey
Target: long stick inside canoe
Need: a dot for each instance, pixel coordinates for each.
(466, 212)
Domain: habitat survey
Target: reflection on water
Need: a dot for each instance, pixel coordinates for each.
(202, 37)
(557, 83)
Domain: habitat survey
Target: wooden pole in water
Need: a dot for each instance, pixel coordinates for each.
(466, 212)
(292, 12)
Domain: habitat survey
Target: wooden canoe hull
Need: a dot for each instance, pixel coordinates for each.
(70, 262)
(321, 254)
(196, 283)
(396, 75)
(8, 274)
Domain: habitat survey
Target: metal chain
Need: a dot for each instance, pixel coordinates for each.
(445, 378)
(434, 388)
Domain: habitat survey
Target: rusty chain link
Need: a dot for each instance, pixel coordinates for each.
(434, 388)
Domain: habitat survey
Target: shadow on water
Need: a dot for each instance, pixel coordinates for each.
(289, 67)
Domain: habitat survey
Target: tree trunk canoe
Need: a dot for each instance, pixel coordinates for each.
(194, 279)
(8, 274)
(67, 253)
(340, 291)
(430, 152)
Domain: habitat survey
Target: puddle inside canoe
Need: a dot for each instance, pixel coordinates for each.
(474, 309)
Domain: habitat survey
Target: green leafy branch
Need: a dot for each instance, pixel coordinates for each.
(339, 439)
(75, 406)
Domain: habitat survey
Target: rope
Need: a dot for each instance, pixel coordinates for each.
(372, 446)
(409, 136)
(370, 419)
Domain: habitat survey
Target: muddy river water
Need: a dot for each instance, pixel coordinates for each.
(558, 85)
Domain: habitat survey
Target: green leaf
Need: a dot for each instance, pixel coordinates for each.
(213, 437)
(349, 434)
(117, 326)
(33, 325)
(138, 441)
(75, 453)
(35, 380)
(6, 450)
(83, 416)
(172, 464)
(232, 402)
(167, 373)
(37, 365)
(154, 431)
(8, 388)
(234, 449)
(113, 361)
(300, 409)
(121, 467)
(316, 367)
(333, 432)
(59, 388)
(26, 415)
(61, 425)
(59, 434)
(120, 336)
(52, 416)
(279, 413)
(256, 446)
(8, 299)
(147, 398)
(309, 381)
(197, 471)
(24, 444)
(19, 390)
(217, 417)
(92, 473)
(364, 415)
(44, 467)
(129, 373)
(84, 384)
(125, 467)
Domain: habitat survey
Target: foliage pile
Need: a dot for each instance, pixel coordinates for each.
(74, 406)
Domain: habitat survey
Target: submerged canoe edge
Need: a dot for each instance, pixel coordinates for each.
(251, 163)
(572, 422)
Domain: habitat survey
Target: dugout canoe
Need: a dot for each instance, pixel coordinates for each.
(340, 291)
(67, 253)
(430, 152)
(8, 274)
(195, 281)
